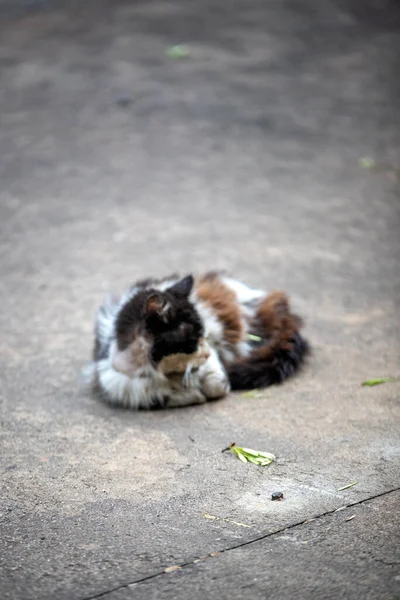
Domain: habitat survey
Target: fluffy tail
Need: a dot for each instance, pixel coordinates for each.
(281, 349)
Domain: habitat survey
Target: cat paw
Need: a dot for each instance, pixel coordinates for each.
(190, 378)
(186, 398)
(215, 387)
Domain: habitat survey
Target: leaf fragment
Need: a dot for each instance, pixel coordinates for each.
(350, 518)
(238, 523)
(346, 487)
(254, 456)
(365, 162)
(378, 381)
(254, 338)
(172, 569)
(178, 51)
(251, 452)
(252, 394)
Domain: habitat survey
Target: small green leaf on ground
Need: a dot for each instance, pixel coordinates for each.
(254, 456)
(242, 457)
(346, 487)
(365, 162)
(379, 380)
(254, 338)
(179, 51)
(252, 394)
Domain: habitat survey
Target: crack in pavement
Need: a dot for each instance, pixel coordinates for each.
(243, 544)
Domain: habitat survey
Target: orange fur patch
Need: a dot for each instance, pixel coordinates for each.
(223, 302)
(274, 320)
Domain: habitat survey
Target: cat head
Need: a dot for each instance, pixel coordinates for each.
(167, 319)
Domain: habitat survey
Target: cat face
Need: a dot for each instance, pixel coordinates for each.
(167, 319)
(172, 321)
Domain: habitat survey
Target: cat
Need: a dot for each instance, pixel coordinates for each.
(180, 341)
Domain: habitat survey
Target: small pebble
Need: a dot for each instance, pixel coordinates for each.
(277, 496)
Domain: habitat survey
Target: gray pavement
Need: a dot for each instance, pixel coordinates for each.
(118, 162)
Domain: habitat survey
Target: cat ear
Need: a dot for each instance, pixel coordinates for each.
(156, 304)
(182, 288)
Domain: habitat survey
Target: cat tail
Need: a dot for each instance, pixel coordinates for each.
(281, 351)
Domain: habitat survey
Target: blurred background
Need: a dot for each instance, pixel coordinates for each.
(140, 138)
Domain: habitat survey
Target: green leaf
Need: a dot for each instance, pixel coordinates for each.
(241, 457)
(267, 461)
(250, 451)
(254, 456)
(254, 338)
(179, 51)
(365, 162)
(267, 455)
(379, 380)
(346, 487)
(252, 394)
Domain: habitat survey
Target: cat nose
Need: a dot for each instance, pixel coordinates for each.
(207, 354)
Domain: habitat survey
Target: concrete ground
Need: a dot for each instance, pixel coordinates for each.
(118, 162)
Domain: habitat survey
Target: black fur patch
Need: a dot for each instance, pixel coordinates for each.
(130, 319)
(250, 374)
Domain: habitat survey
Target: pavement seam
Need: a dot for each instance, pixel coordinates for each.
(240, 545)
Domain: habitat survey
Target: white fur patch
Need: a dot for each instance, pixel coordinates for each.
(214, 381)
(105, 320)
(243, 292)
(131, 392)
(213, 328)
(244, 349)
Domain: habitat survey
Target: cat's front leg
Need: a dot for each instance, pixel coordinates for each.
(214, 382)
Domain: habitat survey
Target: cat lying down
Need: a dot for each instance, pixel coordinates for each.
(175, 342)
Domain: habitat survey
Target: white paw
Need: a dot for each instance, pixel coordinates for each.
(214, 386)
(190, 378)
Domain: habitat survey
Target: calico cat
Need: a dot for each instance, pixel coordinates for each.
(175, 342)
